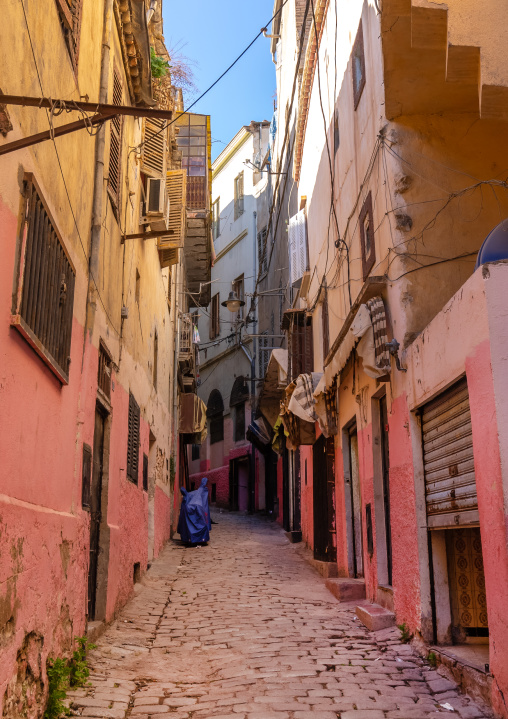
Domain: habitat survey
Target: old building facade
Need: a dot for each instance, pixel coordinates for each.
(393, 335)
(229, 341)
(94, 285)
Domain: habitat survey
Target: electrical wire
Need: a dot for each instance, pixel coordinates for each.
(193, 104)
(63, 177)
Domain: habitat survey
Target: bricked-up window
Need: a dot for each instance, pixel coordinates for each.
(69, 12)
(216, 219)
(367, 237)
(215, 414)
(239, 203)
(133, 441)
(145, 473)
(115, 148)
(358, 65)
(215, 317)
(44, 296)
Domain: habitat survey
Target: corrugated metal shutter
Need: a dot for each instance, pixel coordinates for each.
(450, 486)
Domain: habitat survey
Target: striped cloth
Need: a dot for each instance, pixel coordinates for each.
(378, 317)
(302, 400)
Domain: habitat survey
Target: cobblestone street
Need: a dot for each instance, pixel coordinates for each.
(245, 628)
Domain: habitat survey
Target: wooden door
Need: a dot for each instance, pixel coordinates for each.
(323, 499)
(356, 505)
(95, 511)
(385, 458)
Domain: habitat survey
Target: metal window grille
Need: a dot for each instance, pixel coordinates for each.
(104, 372)
(115, 147)
(186, 335)
(44, 311)
(264, 355)
(239, 197)
(133, 440)
(145, 473)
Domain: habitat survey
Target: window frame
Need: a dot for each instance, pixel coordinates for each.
(216, 219)
(369, 259)
(25, 265)
(70, 21)
(262, 257)
(215, 317)
(239, 287)
(239, 196)
(358, 51)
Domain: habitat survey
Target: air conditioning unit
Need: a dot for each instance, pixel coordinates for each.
(157, 204)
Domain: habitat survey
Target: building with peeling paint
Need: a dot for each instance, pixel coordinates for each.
(94, 299)
(395, 398)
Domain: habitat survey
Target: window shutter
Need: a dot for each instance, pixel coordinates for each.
(115, 147)
(154, 147)
(169, 257)
(297, 240)
(176, 188)
(133, 440)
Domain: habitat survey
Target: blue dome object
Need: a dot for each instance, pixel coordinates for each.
(495, 245)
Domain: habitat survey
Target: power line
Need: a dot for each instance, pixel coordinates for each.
(244, 51)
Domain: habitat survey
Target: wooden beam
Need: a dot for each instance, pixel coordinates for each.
(77, 105)
(57, 132)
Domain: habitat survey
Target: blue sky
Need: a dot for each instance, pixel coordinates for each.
(213, 34)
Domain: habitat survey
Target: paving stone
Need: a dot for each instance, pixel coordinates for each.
(245, 629)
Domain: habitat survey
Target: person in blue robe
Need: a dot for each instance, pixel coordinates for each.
(195, 523)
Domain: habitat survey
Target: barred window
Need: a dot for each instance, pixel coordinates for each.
(133, 441)
(44, 296)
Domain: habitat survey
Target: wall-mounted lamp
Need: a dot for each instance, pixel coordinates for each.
(264, 30)
(233, 302)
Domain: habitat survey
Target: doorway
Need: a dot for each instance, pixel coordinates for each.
(95, 510)
(323, 462)
(353, 496)
(239, 484)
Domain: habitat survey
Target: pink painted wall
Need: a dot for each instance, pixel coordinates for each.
(406, 571)
(306, 496)
(127, 512)
(162, 527)
(493, 516)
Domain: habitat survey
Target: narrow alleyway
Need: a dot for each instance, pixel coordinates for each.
(245, 628)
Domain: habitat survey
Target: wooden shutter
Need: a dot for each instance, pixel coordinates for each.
(115, 146)
(450, 485)
(297, 240)
(326, 325)
(154, 147)
(176, 187)
(133, 440)
(69, 12)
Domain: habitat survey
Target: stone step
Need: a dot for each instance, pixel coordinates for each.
(375, 617)
(346, 589)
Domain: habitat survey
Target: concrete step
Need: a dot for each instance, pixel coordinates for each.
(326, 569)
(375, 617)
(346, 589)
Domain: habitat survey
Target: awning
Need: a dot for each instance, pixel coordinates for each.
(192, 417)
(274, 385)
(260, 434)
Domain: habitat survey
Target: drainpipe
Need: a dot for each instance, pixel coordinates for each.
(98, 190)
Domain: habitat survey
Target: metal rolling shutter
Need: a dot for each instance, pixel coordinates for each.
(450, 486)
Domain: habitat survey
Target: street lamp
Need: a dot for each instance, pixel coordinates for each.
(233, 303)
